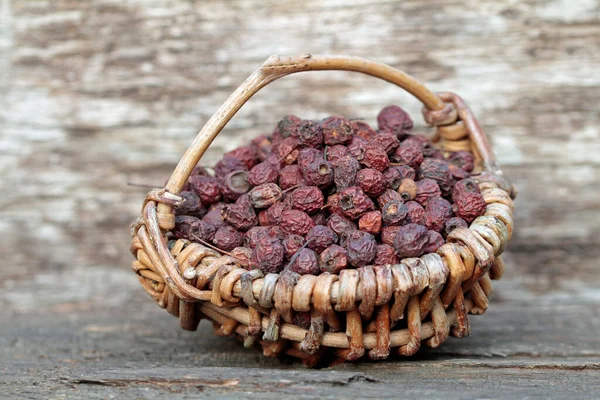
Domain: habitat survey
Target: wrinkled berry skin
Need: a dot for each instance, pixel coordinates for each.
(248, 155)
(395, 174)
(227, 238)
(388, 234)
(386, 140)
(388, 196)
(437, 170)
(288, 125)
(309, 155)
(334, 153)
(468, 201)
(291, 244)
(463, 160)
(228, 164)
(453, 223)
(340, 225)
(361, 248)
(411, 241)
(362, 129)
(190, 205)
(416, 212)
(319, 218)
(457, 172)
(344, 172)
(262, 173)
(290, 176)
(385, 255)
(268, 255)
(394, 213)
(306, 263)
(265, 196)
(395, 120)
(213, 217)
(353, 203)
(272, 215)
(302, 319)
(309, 134)
(357, 146)
(308, 199)
(336, 130)
(207, 188)
(192, 228)
(254, 234)
(437, 212)
(375, 157)
(426, 189)
(288, 150)
(234, 185)
(296, 222)
(409, 155)
(319, 173)
(434, 242)
(371, 181)
(333, 259)
(320, 237)
(243, 257)
(371, 222)
(240, 216)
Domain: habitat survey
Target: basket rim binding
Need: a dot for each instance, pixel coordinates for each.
(456, 277)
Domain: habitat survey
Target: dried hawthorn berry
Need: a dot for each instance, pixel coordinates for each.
(229, 164)
(416, 212)
(288, 125)
(190, 205)
(243, 257)
(395, 120)
(309, 134)
(291, 244)
(263, 147)
(411, 240)
(361, 248)
(426, 189)
(235, 184)
(192, 228)
(344, 172)
(453, 223)
(206, 187)
(437, 170)
(371, 222)
(371, 181)
(336, 130)
(296, 222)
(434, 242)
(362, 129)
(408, 154)
(254, 234)
(340, 225)
(433, 153)
(266, 195)
(302, 319)
(457, 172)
(319, 173)
(268, 255)
(375, 157)
(333, 204)
(437, 212)
(394, 212)
(288, 150)
(305, 263)
(333, 259)
(335, 152)
(248, 155)
(388, 196)
(356, 148)
(240, 216)
(200, 170)
(468, 201)
(289, 176)
(227, 238)
(395, 174)
(307, 198)
(388, 141)
(276, 140)
(309, 155)
(320, 237)
(385, 255)
(276, 232)
(417, 139)
(262, 173)
(388, 234)
(463, 160)
(272, 215)
(213, 217)
(353, 202)
(407, 189)
(319, 218)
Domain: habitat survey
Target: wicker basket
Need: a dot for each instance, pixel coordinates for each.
(376, 310)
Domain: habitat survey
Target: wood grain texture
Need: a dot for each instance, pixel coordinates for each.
(97, 93)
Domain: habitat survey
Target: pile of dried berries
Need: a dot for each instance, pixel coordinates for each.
(322, 196)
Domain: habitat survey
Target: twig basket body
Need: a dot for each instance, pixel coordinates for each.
(374, 310)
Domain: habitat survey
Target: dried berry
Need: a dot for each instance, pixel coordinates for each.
(288, 125)
(356, 148)
(288, 150)
(417, 139)
(309, 134)
(263, 146)
(388, 234)
(333, 259)
(290, 176)
(235, 184)
(192, 228)
(344, 172)
(266, 195)
(362, 129)
(309, 155)
(395, 120)
(407, 189)
(340, 225)
(388, 141)
(319, 173)
(268, 255)
(361, 248)
(394, 212)
(190, 204)
(248, 155)
(307, 198)
(453, 223)
(272, 215)
(296, 222)
(302, 319)
(319, 218)
(408, 154)
(416, 212)
(227, 238)
(213, 217)
(276, 140)
(426, 189)
(437, 170)
(433, 153)
(262, 173)
(243, 257)
(388, 196)
(463, 160)
(206, 187)
(254, 234)
(276, 232)
(385, 255)
(468, 201)
(320, 237)
(411, 240)
(240, 216)
(291, 244)
(434, 242)
(353, 202)
(200, 170)
(305, 263)
(375, 157)
(229, 164)
(336, 130)
(457, 172)
(371, 181)
(439, 205)
(334, 153)
(371, 222)
(395, 174)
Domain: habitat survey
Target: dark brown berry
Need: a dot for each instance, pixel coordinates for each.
(394, 212)
(320, 218)
(263, 146)
(229, 164)
(319, 173)
(320, 237)
(268, 255)
(387, 196)
(288, 150)
(361, 248)
(416, 212)
(206, 187)
(437, 170)
(333, 259)
(340, 225)
(375, 157)
(307, 198)
(407, 190)
(468, 201)
(336, 130)
(262, 173)
(190, 205)
(241, 216)
(291, 244)
(266, 195)
(388, 141)
(362, 129)
(395, 120)
(411, 241)
(408, 154)
(192, 228)
(213, 217)
(353, 202)
(309, 134)
(296, 222)
(289, 176)
(243, 257)
(344, 172)
(395, 174)
(235, 184)
(288, 125)
(248, 155)
(426, 189)
(371, 181)
(305, 263)
(227, 238)
(434, 242)
(433, 153)
(463, 160)
(385, 255)
(371, 222)
(453, 223)
(457, 172)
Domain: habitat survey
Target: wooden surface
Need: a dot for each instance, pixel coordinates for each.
(97, 93)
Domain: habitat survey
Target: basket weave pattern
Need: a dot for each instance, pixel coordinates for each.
(374, 309)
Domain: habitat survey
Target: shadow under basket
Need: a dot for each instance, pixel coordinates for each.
(370, 311)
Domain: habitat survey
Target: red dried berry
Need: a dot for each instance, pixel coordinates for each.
(288, 150)
(340, 225)
(296, 222)
(305, 263)
(248, 155)
(319, 173)
(307, 198)
(388, 141)
(263, 147)
(192, 228)
(229, 164)
(468, 201)
(437, 170)
(268, 255)
(417, 139)
(262, 173)
(254, 234)
(309, 155)
(353, 202)
(433, 153)
(408, 154)
(234, 185)
(463, 160)
(440, 206)
(333, 259)
(272, 215)
(411, 240)
(290, 176)
(199, 170)
(320, 237)
(395, 120)
(227, 238)
(291, 244)
(276, 232)
(361, 248)
(375, 157)
(457, 172)
(243, 257)
(385, 255)
(213, 217)
(395, 174)
(453, 223)
(309, 134)
(302, 319)
(206, 187)
(362, 129)
(426, 189)
(288, 125)
(334, 153)
(371, 181)
(371, 222)
(344, 172)
(266, 195)
(336, 130)
(240, 216)
(416, 212)
(434, 242)
(388, 234)
(394, 213)
(276, 140)
(356, 148)
(319, 218)
(388, 196)
(189, 205)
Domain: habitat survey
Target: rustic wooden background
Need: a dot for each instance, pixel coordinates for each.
(97, 93)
